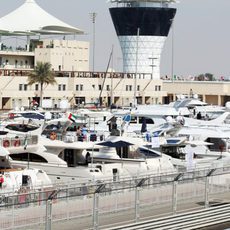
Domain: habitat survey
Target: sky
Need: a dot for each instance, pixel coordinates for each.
(201, 34)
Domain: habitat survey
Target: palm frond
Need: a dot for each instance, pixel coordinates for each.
(42, 74)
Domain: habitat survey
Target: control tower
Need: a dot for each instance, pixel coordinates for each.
(142, 27)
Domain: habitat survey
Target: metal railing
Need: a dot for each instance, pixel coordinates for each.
(94, 205)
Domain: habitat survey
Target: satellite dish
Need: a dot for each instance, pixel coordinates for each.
(195, 96)
(227, 105)
(169, 119)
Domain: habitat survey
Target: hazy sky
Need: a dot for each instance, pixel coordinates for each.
(201, 33)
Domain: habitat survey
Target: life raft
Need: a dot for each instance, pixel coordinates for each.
(1, 180)
(53, 136)
(6, 143)
(16, 143)
(11, 116)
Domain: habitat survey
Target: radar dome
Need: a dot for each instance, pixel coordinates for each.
(227, 105)
(195, 96)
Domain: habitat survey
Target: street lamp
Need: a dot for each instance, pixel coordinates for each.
(93, 19)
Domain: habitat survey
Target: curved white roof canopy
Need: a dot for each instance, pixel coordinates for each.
(31, 19)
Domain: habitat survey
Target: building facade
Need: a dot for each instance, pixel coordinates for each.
(211, 92)
(70, 63)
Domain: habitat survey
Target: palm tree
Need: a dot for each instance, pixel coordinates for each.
(43, 75)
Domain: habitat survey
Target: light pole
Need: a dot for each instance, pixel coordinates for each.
(93, 19)
(172, 70)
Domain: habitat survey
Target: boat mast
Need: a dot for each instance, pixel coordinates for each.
(135, 77)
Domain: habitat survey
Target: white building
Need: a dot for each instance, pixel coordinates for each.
(64, 55)
(70, 62)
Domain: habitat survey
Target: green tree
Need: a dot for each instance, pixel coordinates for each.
(206, 77)
(43, 75)
(209, 76)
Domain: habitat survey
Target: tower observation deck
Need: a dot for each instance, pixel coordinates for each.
(153, 19)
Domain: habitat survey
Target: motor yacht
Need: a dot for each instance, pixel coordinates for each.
(19, 178)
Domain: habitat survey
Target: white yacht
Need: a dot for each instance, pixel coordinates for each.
(69, 160)
(19, 178)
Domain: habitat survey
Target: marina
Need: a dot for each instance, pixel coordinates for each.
(108, 150)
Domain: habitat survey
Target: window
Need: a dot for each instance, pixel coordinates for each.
(128, 87)
(36, 87)
(93, 86)
(61, 87)
(157, 88)
(20, 87)
(79, 87)
(24, 157)
(25, 87)
(107, 88)
(138, 88)
(99, 87)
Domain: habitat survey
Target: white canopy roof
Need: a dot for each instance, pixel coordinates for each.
(31, 19)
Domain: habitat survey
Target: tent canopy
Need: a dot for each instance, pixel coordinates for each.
(117, 144)
(31, 19)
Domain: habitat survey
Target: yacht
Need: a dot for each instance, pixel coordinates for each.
(19, 178)
(68, 159)
(195, 106)
(187, 154)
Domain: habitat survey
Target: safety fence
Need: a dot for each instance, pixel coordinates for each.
(106, 204)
